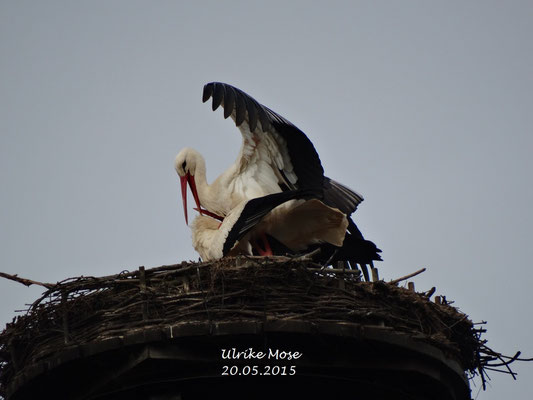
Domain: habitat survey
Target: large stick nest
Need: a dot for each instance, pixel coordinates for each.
(88, 309)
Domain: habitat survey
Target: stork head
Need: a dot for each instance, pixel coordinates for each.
(185, 164)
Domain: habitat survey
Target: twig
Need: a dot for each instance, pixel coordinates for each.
(403, 278)
(142, 284)
(24, 281)
(65, 316)
(430, 292)
(308, 256)
(375, 274)
(330, 258)
(336, 270)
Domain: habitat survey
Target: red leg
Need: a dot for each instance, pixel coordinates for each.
(268, 250)
(265, 250)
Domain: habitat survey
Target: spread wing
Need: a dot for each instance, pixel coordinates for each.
(277, 155)
(272, 146)
(275, 151)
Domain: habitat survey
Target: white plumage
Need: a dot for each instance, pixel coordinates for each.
(297, 224)
(275, 158)
(255, 173)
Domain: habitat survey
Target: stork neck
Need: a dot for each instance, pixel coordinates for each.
(205, 192)
(201, 180)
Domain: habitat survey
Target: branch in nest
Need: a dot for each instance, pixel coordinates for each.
(27, 282)
(308, 256)
(297, 258)
(403, 278)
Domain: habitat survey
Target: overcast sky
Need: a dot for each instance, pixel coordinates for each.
(425, 108)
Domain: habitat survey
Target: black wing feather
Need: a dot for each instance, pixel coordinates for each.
(339, 196)
(265, 120)
(218, 96)
(208, 91)
(304, 158)
(354, 250)
(240, 109)
(257, 208)
(252, 113)
(229, 101)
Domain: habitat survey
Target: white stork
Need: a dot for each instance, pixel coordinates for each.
(245, 229)
(275, 156)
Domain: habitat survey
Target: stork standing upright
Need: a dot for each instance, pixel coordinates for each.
(275, 156)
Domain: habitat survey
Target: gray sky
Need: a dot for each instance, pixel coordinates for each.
(423, 107)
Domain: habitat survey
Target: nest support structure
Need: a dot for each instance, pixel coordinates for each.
(162, 331)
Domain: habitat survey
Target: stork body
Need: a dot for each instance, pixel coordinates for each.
(295, 224)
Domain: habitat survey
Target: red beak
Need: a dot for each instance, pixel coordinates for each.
(194, 191)
(188, 178)
(183, 180)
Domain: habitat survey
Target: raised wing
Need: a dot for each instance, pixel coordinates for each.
(269, 140)
(283, 148)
